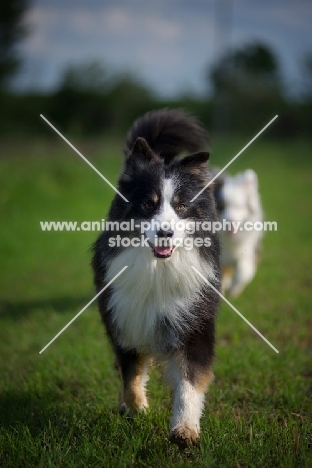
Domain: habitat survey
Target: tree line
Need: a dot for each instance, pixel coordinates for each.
(247, 90)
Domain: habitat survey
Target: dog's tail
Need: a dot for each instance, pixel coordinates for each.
(168, 132)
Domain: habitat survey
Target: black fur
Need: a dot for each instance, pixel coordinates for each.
(168, 132)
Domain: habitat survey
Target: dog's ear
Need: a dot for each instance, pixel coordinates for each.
(142, 151)
(138, 159)
(195, 163)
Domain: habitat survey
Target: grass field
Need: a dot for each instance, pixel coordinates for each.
(58, 409)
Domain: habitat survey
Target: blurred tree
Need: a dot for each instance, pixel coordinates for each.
(86, 77)
(301, 110)
(255, 61)
(247, 87)
(11, 32)
(129, 99)
(90, 99)
(78, 101)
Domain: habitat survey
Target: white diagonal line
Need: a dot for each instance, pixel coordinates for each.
(233, 159)
(82, 310)
(85, 159)
(235, 310)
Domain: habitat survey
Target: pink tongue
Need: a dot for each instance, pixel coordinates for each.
(163, 250)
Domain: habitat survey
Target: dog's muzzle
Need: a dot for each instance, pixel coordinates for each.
(163, 246)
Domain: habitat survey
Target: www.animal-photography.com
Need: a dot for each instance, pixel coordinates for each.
(155, 200)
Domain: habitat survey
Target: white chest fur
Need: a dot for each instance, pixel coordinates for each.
(151, 289)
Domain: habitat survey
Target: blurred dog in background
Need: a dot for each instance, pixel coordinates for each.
(238, 202)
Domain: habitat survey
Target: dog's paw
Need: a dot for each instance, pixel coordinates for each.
(184, 436)
(125, 410)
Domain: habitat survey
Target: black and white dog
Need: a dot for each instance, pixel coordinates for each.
(159, 307)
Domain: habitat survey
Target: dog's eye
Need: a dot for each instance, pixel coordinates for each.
(181, 207)
(148, 205)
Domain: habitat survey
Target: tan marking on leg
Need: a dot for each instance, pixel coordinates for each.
(203, 379)
(134, 392)
(187, 400)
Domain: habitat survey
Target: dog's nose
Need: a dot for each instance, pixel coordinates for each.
(165, 233)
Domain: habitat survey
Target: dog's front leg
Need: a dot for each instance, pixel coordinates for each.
(188, 402)
(244, 273)
(133, 370)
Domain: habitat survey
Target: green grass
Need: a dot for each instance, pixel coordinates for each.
(58, 409)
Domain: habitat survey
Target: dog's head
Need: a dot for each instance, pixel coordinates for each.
(160, 196)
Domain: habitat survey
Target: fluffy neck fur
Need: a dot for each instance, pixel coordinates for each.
(151, 290)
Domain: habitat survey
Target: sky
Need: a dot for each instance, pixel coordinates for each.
(167, 44)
